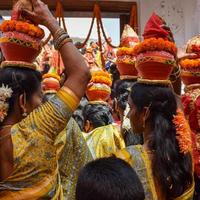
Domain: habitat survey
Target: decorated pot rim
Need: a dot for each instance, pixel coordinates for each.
(23, 43)
(18, 64)
(190, 73)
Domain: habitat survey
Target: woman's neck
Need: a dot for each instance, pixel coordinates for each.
(147, 138)
(11, 120)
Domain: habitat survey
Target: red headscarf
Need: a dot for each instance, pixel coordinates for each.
(154, 28)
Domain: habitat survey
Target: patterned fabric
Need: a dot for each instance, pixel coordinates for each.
(105, 140)
(74, 155)
(191, 104)
(35, 174)
(139, 160)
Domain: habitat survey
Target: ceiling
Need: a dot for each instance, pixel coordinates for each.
(122, 6)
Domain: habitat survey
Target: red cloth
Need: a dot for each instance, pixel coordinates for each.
(154, 29)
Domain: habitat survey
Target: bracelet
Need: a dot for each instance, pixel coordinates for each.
(60, 40)
(58, 33)
(65, 41)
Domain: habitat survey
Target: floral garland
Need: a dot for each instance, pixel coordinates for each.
(101, 73)
(190, 63)
(101, 77)
(154, 44)
(22, 27)
(5, 93)
(125, 51)
(183, 132)
(51, 75)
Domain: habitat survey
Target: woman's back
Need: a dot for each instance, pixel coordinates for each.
(35, 172)
(140, 160)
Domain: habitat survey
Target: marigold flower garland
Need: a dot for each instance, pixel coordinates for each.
(183, 132)
(101, 77)
(125, 51)
(190, 63)
(154, 44)
(22, 27)
(51, 75)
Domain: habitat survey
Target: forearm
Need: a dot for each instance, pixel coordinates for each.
(74, 63)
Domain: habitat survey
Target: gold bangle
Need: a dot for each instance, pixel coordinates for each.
(65, 41)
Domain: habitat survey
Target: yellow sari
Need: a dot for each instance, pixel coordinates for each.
(35, 174)
(74, 154)
(138, 158)
(104, 141)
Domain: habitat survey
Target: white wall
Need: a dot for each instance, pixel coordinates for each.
(183, 16)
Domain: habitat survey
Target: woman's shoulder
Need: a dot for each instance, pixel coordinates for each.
(132, 154)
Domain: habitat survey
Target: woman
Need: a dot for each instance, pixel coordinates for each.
(72, 150)
(29, 168)
(162, 163)
(122, 91)
(103, 138)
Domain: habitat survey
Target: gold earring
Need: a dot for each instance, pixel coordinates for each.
(24, 114)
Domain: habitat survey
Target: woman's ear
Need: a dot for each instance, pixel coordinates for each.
(22, 104)
(145, 116)
(87, 126)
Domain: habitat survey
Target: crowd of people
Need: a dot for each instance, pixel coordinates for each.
(75, 129)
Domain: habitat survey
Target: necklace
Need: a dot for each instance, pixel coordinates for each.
(6, 135)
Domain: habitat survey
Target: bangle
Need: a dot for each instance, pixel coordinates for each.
(58, 33)
(58, 41)
(65, 41)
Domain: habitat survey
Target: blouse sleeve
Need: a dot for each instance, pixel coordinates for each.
(52, 117)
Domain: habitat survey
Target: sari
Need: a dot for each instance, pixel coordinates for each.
(73, 154)
(104, 140)
(35, 174)
(138, 158)
(191, 105)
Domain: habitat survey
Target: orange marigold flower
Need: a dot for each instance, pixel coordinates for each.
(22, 27)
(125, 51)
(101, 77)
(190, 63)
(154, 44)
(183, 132)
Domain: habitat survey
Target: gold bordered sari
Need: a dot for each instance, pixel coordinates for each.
(104, 141)
(35, 174)
(138, 158)
(74, 154)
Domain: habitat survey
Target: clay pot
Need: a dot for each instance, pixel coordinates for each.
(127, 69)
(14, 50)
(50, 84)
(154, 70)
(97, 95)
(189, 77)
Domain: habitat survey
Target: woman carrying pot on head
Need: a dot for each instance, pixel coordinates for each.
(29, 168)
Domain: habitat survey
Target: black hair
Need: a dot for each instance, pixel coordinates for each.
(46, 68)
(92, 42)
(78, 113)
(20, 80)
(121, 92)
(98, 115)
(115, 77)
(109, 179)
(172, 170)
